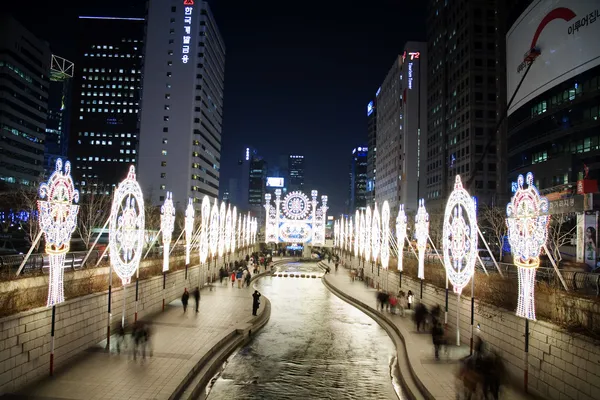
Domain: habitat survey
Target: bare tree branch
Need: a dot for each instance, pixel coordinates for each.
(94, 209)
(493, 219)
(560, 231)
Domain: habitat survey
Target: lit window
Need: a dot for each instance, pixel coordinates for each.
(164, 152)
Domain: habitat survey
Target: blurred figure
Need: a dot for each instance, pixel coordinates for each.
(232, 278)
(184, 299)
(255, 301)
(410, 298)
(121, 339)
(437, 335)
(197, 297)
(239, 277)
(420, 317)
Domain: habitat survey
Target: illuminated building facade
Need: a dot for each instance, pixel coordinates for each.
(104, 134)
(357, 198)
(24, 81)
(296, 172)
(372, 153)
(182, 104)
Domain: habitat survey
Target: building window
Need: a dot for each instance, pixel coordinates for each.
(165, 129)
(167, 107)
(163, 164)
(169, 74)
(162, 198)
(173, 9)
(163, 174)
(164, 141)
(163, 187)
(166, 118)
(164, 152)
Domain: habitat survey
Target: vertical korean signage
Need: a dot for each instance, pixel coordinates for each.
(413, 55)
(188, 10)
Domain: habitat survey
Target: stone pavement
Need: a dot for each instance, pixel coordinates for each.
(438, 376)
(178, 342)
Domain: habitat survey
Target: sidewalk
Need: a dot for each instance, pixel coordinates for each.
(178, 341)
(438, 376)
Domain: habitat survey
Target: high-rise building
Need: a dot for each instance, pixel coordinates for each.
(372, 153)
(24, 81)
(401, 129)
(257, 187)
(357, 198)
(464, 55)
(296, 172)
(103, 141)
(57, 125)
(182, 104)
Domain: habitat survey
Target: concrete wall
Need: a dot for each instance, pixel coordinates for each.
(561, 365)
(80, 324)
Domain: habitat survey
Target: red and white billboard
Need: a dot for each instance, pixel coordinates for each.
(567, 34)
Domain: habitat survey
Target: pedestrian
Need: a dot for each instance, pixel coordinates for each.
(184, 299)
(197, 297)
(255, 302)
(239, 277)
(409, 298)
(232, 278)
(336, 265)
(437, 334)
(121, 339)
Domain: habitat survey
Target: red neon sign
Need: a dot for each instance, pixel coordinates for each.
(188, 2)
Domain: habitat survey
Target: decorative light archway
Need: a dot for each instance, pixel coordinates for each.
(401, 224)
(421, 233)
(460, 237)
(527, 224)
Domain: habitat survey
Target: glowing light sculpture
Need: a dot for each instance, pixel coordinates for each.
(421, 233)
(58, 219)
(227, 245)
(375, 235)
(233, 230)
(190, 214)
(361, 239)
(385, 235)
(350, 235)
(203, 247)
(401, 224)
(167, 224)
(222, 216)
(356, 232)
(213, 233)
(460, 237)
(368, 229)
(126, 227)
(527, 221)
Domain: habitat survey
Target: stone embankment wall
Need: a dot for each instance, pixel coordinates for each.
(561, 365)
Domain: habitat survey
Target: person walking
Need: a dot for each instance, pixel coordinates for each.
(197, 297)
(184, 299)
(409, 298)
(255, 301)
(232, 278)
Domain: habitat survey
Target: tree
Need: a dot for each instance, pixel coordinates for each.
(23, 199)
(94, 210)
(493, 219)
(560, 232)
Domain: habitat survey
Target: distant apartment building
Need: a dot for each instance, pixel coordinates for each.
(357, 196)
(24, 86)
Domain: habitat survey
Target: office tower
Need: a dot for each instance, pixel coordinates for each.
(296, 172)
(57, 125)
(24, 81)
(257, 187)
(372, 153)
(104, 135)
(464, 99)
(182, 104)
(358, 179)
(401, 129)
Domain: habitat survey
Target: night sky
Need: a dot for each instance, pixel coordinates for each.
(298, 75)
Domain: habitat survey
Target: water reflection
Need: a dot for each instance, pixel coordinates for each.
(314, 346)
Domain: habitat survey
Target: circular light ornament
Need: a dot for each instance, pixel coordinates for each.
(213, 232)
(204, 229)
(375, 234)
(460, 237)
(527, 224)
(189, 229)
(421, 233)
(356, 232)
(222, 216)
(368, 229)
(58, 219)
(296, 205)
(126, 227)
(385, 235)
(167, 224)
(401, 223)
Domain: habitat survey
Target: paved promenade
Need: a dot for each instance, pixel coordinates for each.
(178, 342)
(438, 376)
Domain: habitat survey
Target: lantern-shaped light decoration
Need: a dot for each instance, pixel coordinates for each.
(460, 237)
(350, 234)
(375, 234)
(167, 224)
(204, 229)
(527, 233)
(222, 216)
(368, 229)
(58, 219)
(385, 235)
(233, 246)
(356, 232)
(227, 245)
(189, 229)
(342, 234)
(361, 239)
(401, 223)
(421, 233)
(126, 227)
(213, 233)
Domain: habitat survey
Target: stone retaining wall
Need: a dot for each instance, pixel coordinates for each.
(561, 365)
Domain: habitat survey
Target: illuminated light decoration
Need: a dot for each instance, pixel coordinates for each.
(296, 205)
(269, 227)
(527, 223)
(460, 237)
(368, 230)
(189, 229)
(421, 234)
(401, 224)
(126, 227)
(320, 219)
(248, 230)
(335, 231)
(350, 235)
(343, 232)
(243, 232)
(167, 224)
(227, 245)
(213, 232)
(375, 234)
(385, 235)
(222, 216)
(204, 229)
(239, 232)
(361, 239)
(369, 108)
(58, 219)
(356, 232)
(187, 30)
(233, 230)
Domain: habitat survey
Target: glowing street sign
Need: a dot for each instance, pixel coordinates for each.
(58, 219)
(189, 229)
(422, 233)
(126, 227)
(460, 237)
(385, 235)
(167, 224)
(187, 30)
(527, 224)
(401, 223)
